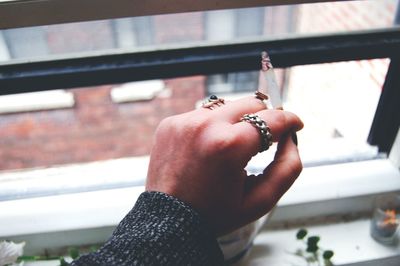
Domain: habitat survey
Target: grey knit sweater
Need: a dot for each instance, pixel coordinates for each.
(159, 230)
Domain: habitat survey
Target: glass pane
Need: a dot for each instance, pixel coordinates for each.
(110, 127)
(336, 101)
(104, 139)
(150, 32)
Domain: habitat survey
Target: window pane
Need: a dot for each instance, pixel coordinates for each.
(111, 127)
(130, 34)
(336, 101)
(104, 140)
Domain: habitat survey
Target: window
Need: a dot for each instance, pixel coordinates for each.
(104, 49)
(324, 65)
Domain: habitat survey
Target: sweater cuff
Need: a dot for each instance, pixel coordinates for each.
(161, 230)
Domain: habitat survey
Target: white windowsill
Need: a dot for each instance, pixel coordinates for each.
(83, 218)
(36, 101)
(350, 241)
(80, 177)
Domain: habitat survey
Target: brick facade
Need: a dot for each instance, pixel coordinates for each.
(95, 129)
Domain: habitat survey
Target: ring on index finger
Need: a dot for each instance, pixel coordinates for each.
(265, 131)
(213, 100)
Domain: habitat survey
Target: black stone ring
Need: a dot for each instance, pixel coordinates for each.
(213, 100)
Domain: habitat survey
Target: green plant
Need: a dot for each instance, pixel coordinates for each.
(73, 252)
(313, 253)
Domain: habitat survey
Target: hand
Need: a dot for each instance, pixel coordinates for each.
(199, 157)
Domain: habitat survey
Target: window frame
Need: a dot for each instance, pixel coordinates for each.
(47, 11)
(20, 77)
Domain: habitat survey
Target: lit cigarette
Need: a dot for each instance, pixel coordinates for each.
(269, 87)
(267, 82)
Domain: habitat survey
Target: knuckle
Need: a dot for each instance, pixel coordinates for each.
(182, 124)
(185, 127)
(166, 121)
(166, 125)
(280, 118)
(219, 141)
(222, 143)
(196, 125)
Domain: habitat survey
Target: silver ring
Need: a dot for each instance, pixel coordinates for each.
(265, 131)
(211, 101)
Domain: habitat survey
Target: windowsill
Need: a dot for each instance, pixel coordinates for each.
(73, 178)
(350, 241)
(85, 217)
(36, 101)
(359, 250)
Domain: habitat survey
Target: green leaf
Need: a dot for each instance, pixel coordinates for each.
(313, 240)
(301, 234)
(328, 254)
(73, 252)
(312, 248)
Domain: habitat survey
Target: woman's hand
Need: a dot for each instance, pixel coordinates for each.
(199, 157)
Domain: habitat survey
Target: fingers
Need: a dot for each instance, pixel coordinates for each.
(232, 111)
(264, 191)
(280, 123)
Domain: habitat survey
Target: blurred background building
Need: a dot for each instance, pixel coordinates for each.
(118, 120)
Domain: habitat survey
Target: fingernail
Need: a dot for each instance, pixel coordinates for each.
(294, 138)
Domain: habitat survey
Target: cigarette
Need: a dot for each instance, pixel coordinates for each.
(267, 82)
(269, 86)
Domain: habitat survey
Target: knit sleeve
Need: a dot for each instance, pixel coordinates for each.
(159, 230)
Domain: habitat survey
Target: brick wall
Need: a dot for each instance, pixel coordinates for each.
(95, 129)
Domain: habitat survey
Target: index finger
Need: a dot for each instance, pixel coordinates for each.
(235, 109)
